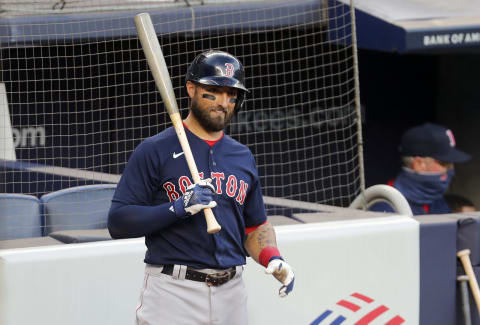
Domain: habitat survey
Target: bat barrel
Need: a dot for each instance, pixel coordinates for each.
(156, 60)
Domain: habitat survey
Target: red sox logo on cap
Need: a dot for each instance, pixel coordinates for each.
(451, 138)
(229, 69)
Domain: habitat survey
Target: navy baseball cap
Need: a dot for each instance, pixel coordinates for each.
(432, 140)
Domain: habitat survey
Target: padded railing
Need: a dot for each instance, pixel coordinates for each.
(382, 193)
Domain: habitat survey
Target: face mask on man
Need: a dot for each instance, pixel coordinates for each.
(422, 187)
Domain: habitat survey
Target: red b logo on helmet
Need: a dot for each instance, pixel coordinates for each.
(229, 70)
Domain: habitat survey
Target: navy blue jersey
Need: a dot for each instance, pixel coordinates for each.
(157, 174)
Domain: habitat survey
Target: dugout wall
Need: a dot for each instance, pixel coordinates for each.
(354, 270)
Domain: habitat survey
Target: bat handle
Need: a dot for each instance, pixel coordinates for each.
(212, 224)
(467, 265)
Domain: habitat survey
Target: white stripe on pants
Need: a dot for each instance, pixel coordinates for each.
(172, 300)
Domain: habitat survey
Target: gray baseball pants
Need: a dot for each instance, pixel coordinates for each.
(174, 300)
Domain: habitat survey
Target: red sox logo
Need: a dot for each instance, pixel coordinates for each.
(357, 309)
(451, 138)
(229, 69)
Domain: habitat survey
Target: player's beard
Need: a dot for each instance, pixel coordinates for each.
(210, 124)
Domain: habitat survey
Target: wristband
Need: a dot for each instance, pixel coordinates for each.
(179, 208)
(267, 254)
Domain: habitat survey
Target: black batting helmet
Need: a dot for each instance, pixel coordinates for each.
(219, 68)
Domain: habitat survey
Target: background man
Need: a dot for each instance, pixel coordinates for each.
(428, 154)
(192, 277)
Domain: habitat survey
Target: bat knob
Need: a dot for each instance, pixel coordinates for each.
(212, 224)
(213, 230)
(463, 252)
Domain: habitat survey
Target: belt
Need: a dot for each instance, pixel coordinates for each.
(213, 279)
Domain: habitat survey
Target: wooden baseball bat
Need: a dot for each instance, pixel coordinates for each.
(158, 67)
(464, 256)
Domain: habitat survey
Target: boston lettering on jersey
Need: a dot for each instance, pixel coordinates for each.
(229, 185)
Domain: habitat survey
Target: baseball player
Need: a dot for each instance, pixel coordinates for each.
(192, 277)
